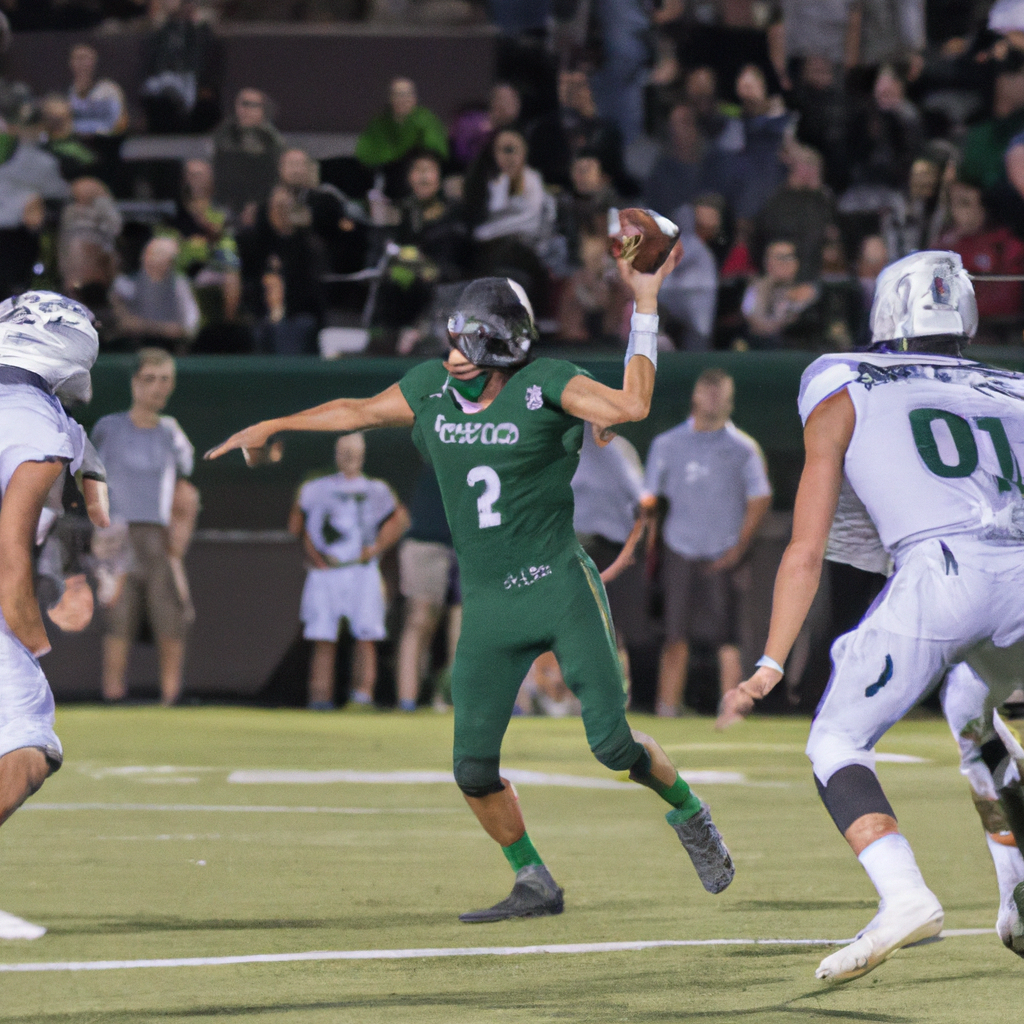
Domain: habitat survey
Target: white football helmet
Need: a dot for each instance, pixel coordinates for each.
(923, 294)
(53, 336)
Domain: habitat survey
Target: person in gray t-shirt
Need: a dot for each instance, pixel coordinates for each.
(148, 458)
(712, 478)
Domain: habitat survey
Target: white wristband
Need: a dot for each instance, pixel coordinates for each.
(765, 662)
(643, 337)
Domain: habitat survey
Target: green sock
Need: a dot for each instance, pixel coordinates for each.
(681, 797)
(521, 853)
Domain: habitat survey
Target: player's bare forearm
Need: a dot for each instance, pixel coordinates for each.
(19, 516)
(604, 406)
(391, 532)
(387, 409)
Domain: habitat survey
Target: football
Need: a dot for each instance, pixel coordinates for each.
(642, 238)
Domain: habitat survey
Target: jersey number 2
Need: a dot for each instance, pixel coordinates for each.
(492, 491)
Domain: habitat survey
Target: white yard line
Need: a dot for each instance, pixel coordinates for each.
(421, 954)
(241, 808)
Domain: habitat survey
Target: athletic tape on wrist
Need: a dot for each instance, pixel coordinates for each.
(643, 337)
(766, 662)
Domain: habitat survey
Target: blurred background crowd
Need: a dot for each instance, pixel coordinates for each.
(799, 144)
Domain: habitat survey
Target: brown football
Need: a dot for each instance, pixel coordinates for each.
(642, 238)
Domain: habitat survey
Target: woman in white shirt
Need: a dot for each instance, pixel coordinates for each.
(517, 204)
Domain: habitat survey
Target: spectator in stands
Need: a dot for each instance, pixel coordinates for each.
(711, 224)
(281, 268)
(872, 259)
(155, 306)
(30, 168)
(816, 29)
(713, 479)
(433, 247)
(917, 214)
(687, 167)
(246, 152)
(619, 80)
(346, 522)
(97, 105)
(504, 111)
(428, 575)
(555, 138)
(337, 221)
(820, 100)
(208, 256)
(74, 157)
(22, 217)
(700, 93)
(689, 295)
(148, 459)
(401, 127)
(179, 90)
(594, 300)
(885, 134)
(588, 201)
(985, 248)
(520, 216)
(773, 304)
(986, 143)
(750, 145)
(889, 31)
(803, 210)
(89, 227)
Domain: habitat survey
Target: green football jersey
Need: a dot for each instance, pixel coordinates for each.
(504, 471)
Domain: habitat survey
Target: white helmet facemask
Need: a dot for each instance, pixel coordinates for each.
(52, 336)
(923, 294)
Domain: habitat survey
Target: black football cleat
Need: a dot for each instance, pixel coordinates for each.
(535, 894)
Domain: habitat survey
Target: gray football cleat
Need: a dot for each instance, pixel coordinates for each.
(535, 894)
(703, 842)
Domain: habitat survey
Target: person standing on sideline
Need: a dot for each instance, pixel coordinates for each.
(428, 575)
(148, 458)
(346, 522)
(713, 479)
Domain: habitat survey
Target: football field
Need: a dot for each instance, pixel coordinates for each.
(281, 866)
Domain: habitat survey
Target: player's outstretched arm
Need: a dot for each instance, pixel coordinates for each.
(19, 517)
(604, 406)
(387, 409)
(826, 438)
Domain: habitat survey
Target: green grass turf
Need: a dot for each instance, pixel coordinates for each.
(129, 884)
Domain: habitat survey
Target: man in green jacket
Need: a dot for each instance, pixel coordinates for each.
(400, 128)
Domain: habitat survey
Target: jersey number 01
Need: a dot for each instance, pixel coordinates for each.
(492, 491)
(922, 426)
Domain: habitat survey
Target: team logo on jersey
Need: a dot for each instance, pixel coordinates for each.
(470, 433)
(534, 397)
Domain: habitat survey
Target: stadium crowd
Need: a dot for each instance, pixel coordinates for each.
(800, 146)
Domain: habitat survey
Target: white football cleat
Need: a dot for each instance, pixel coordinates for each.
(12, 927)
(918, 917)
(1009, 925)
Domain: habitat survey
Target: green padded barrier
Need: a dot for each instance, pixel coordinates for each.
(217, 395)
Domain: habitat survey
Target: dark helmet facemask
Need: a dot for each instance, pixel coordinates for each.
(492, 325)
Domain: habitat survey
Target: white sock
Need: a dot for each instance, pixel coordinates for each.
(890, 865)
(1009, 866)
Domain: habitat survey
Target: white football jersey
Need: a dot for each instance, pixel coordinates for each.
(938, 443)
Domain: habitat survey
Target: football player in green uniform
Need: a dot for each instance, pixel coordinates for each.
(503, 433)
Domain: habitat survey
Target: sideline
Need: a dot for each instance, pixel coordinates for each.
(232, 808)
(416, 954)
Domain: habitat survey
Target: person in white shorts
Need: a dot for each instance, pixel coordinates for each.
(47, 347)
(346, 522)
(917, 448)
